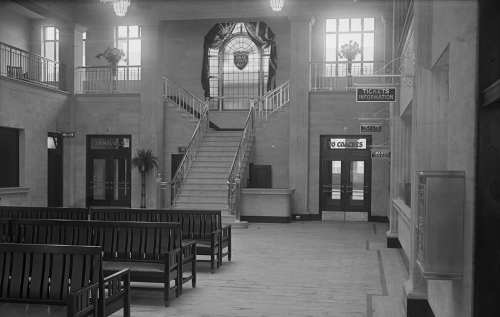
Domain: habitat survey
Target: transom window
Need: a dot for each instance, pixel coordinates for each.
(238, 71)
(339, 32)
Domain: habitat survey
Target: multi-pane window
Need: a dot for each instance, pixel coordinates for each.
(84, 38)
(339, 32)
(9, 157)
(128, 38)
(238, 71)
(50, 47)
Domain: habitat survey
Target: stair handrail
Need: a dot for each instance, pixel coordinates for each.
(184, 100)
(234, 177)
(272, 101)
(190, 154)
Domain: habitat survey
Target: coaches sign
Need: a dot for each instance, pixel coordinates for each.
(375, 94)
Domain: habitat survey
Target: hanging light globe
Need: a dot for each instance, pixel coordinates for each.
(120, 6)
(277, 5)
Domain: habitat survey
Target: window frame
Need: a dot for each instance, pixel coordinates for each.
(55, 41)
(128, 38)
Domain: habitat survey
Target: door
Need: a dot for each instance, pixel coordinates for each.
(345, 183)
(54, 170)
(109, 180)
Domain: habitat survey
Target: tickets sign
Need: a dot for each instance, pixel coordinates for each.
(375, 94)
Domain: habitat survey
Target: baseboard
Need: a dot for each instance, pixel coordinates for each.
(381, 219)
(265, 219)
(393, 243)
(301, 217)
(418, 308)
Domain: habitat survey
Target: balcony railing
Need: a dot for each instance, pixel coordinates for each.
(22, 65)
(346, 75)
(108, 79)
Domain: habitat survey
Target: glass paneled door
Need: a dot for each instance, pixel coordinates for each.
(109, 180)
(345, 183)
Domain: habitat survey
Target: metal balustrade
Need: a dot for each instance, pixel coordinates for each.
(108, 79)
(272, 101)
(190, 154)
(184, 100)
(22, 65)
(346, 75)
(234, 178)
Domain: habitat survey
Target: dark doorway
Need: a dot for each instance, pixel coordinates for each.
(108, 171)
(54, 170)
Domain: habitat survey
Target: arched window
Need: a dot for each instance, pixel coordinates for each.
(238, 71)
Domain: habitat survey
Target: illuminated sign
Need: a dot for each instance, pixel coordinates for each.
(370, 128)
(343, 144)
(375, 94)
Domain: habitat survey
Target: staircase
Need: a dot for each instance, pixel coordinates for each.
(206, 186)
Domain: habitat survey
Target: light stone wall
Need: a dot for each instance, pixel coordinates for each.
(337, 113)
(35, 111)
(15, 30)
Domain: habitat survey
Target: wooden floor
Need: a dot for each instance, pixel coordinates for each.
(317, 268)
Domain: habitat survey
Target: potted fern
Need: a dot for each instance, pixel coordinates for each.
(144, 161)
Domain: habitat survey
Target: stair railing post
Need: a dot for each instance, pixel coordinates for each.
(237, 184)
(207, 108)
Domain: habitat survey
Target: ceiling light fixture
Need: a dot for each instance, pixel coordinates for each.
(277, 5)
(120, 6)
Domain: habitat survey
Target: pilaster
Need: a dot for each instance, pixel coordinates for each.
(70, 55)
(151, 114)
(299, 110)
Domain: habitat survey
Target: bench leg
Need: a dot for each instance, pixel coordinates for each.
(193, 270)
(212, 262)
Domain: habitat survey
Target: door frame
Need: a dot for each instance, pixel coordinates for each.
(55, 172)
(109, 155)
(328, 153)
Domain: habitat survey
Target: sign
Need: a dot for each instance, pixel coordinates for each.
(381, 154)
(343, 144)
(240, 59)
(375, 94)
(370, 128)
(68, 134)
(109, 143)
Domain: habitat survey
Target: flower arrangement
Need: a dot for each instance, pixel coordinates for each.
(112, 55)
(350, 50)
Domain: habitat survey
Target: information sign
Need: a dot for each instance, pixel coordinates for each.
(375, 94)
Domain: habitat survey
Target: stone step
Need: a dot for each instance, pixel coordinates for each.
(224, 133)
(209, 169)
(207, 175)
(214, 163)
(205, 181)
(223, 149)
(201, 205)
(204, 192)
(214, 158)
(218, 143)
(202, 199)
(218, 153)
(207, 187)
(214, 138)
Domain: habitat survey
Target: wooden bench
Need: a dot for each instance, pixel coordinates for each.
(5, 230)
(44, 212)
(203, 226)
(35, 277)
(152, 251)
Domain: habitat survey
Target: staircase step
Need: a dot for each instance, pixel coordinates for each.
(214, 163)
(209, 169)
(202, 199)
(204, 192)
(229, 149)
(224, 134)
(206, 181)
(218, 153)
(208, 175)
(201, 205)
(208, 187)
(218, 143)
(212, 158)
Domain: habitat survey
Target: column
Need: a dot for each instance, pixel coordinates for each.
(70, 55)
(151, 114)
(299, 111)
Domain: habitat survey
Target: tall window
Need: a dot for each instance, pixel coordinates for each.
(238, 71)
(9, 157)
(50, 47)
(340, 32)
(84, 38)
(128, 38)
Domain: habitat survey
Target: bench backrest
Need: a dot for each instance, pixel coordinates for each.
(43, 212)
(46, 274)
(4, 230)
(196, 224)
(120, 240)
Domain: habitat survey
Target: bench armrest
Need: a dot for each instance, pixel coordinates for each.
(226, 232)
(114, 287)
(84, 301)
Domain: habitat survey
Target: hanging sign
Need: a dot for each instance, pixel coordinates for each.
(68, 134)
(370, 128)
(375, 94)
(343, 144)
(240, 59)
(381, 154)
(109, 143)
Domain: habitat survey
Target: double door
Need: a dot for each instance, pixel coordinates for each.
(345, 183)
(108, 180)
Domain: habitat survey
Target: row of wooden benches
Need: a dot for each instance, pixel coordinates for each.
(134, 245)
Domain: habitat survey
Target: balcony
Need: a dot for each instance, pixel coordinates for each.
(108, 79)
(329, 76)
(22, 65)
